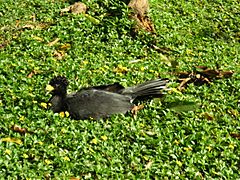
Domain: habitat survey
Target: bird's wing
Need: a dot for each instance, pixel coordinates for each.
(95, 104)
(116, 88)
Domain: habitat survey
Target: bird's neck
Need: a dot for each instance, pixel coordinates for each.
(57, 103)
(61, 94)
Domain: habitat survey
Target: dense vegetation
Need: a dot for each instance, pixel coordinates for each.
(37, 42)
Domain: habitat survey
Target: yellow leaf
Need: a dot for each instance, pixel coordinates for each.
(90, 118)
(90, 149)
(94, 141)
(63, 130)
(65, 46)
(102, 69)
(189, 52)
(51, 146)
(30, 94)
(176, 142)
(209, 148)
(37, 38)
(92, 19)
(13, 140)
(67, 114)
(85, 62)
(214, 172)
(25, 156)
(47, 161)
(104, 138)
(187, 148)
(179, 163)
(40, 142)
(175, 90)
(231, 146)
(21, 118)
(43, 104)
(142, 68)
(66, 158)
(120, 69)
(165, 59)
(106, 67)
(146, 158)
(7, 151)
(53, 42)
(142, 125)
(62, 114)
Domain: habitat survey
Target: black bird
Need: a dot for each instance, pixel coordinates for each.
(100, 101)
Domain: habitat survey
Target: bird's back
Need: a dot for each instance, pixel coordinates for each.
(93, 103)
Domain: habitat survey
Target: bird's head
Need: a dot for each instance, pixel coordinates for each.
(58, 86)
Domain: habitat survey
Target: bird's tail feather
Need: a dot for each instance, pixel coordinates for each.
(149, 88)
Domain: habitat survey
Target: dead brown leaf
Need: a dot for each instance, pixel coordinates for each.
(3, 45)
(20, 130)
(210, 73)
(59, 54)
(74, 178)
(214, 73)
(17, 23)
(140, 9)
(143, 22)
(202, 75)
(226, 74)
(76, 8)
(202, 67)
(208, 116)
(135, 110)
(235, 135)
(234, 112)
(28, 26)
(184, 81)
(32, 73)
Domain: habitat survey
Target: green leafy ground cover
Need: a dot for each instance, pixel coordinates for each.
(159, 143)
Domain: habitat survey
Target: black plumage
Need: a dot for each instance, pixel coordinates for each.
(100, 101)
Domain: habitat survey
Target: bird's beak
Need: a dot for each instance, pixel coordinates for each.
(49, 88)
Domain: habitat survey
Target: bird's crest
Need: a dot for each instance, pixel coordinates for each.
(59, 80)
